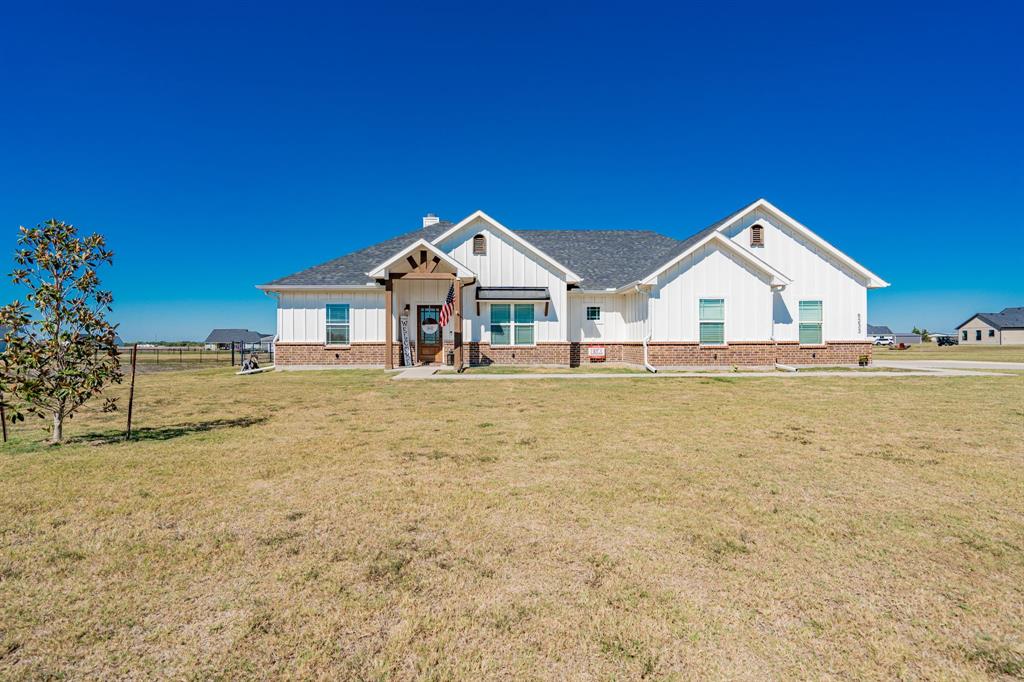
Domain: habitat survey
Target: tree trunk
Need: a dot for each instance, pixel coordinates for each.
(58, 428)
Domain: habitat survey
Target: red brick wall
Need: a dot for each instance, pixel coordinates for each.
(371, 354)
(754, 353)
(541, 354)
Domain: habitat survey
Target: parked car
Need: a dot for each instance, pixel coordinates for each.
(885, 341)
(947, 341)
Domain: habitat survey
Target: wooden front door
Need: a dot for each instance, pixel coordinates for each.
(428, 333)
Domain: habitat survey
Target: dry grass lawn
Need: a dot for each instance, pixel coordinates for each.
(342, 525)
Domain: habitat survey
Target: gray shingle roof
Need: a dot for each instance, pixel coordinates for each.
(352, 268)
(1007, 318)
(604, 259)
(234, 335)
(878, 329)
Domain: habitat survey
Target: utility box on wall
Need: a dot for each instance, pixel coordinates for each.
(595, 353)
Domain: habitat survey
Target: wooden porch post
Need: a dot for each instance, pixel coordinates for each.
(458, 325)
(389, 358)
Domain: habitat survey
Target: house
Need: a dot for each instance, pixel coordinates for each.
(877, 331)
(1005, 328)
(752, 289)
(243, 339)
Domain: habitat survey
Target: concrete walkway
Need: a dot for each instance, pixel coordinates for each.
(419, 372)
(948, 364)
(853, 374)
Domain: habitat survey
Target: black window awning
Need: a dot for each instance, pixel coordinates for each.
(513, 294)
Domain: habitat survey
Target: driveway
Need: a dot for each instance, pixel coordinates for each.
(947, 364)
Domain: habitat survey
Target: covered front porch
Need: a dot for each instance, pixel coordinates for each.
(423, 306)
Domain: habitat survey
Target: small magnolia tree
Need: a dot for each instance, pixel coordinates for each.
(61, 350)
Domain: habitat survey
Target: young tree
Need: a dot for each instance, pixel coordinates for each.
(60, 347)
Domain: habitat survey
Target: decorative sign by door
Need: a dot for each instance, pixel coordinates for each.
(403, 325)
(596, 353)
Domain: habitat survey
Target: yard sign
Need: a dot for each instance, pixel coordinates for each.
(403, 324)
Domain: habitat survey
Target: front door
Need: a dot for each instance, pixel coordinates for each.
(428, 333)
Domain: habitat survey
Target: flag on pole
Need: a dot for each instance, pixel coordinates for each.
(449, 306)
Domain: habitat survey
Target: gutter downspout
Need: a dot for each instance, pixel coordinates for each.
(647, 365)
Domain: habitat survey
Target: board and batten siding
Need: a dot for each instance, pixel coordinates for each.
(623, 317)
(302, 316)
(507, 264)
(816, 275)
(709, 272)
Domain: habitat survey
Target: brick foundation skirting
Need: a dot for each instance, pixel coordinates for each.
(753, 353)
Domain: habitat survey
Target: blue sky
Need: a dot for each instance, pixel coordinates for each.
(222, 146)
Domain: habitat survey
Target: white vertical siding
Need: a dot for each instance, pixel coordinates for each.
(622, 317)
(711, 273)
(302, 316)
(816, 276)
(506, 264)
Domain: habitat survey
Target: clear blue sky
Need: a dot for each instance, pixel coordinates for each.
(219, 147)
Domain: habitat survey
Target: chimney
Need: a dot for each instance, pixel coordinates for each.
(430, 219)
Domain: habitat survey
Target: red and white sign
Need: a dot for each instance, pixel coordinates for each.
(595, 353)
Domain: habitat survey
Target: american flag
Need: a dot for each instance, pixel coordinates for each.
(449, 306)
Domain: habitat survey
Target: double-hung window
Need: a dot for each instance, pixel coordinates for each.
(810, 323)
(337, 324)
(512, 324)
(977, 335)
(712, 321)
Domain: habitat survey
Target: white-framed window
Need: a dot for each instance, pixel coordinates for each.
(512, 324)
(810, 323)
(338, 329)
(711, 314)
(593, 313)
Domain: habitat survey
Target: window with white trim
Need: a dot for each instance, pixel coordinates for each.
(512, 324)
(810, 323)
(712, 321)
(593, 313)
(337, 324)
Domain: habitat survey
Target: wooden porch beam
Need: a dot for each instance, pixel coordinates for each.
(433, 264)
(422, 275)
(389, 360)
(459, 365)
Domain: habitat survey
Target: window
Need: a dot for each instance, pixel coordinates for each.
(965, 335)
(810, 322)
(991, 333)
(757, 234)
(712, 321)
(337, 324)
(593, 313)
(479, 245)
(977, 335)
(511, 325)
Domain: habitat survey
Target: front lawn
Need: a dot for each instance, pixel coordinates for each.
(344, 525)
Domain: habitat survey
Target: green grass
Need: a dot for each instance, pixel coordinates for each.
(342, 525)
(931, 351)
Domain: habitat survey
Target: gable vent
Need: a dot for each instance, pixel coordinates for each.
(757, 234)
(479, 245)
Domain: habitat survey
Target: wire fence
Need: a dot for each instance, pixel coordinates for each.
(168, 356)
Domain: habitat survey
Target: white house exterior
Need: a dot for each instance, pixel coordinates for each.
(752, 289)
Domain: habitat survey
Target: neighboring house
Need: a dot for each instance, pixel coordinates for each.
(1005, 328)
(754, 288)
(223, 339)
(877, 331)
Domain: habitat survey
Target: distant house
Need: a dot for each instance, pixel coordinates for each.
(1005, 328)
(876, 331)
(222, 339)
